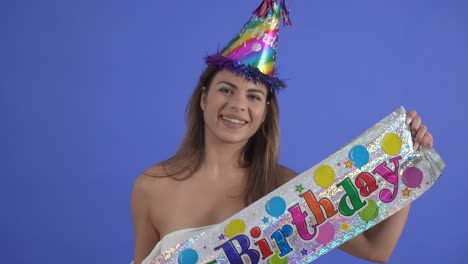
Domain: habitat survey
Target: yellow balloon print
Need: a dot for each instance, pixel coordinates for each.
(234, 228)
(391, 144)
(324, 176)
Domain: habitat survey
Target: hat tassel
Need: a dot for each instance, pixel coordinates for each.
(267, 5)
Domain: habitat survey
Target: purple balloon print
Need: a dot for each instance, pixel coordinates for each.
(412, 177)
(326, 233)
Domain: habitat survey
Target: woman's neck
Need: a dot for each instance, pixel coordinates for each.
(220, 157)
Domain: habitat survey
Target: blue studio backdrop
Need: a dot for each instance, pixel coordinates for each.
(93, 92)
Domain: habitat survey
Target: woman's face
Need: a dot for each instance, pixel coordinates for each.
(233, 108)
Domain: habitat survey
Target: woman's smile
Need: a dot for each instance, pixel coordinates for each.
(233, 121)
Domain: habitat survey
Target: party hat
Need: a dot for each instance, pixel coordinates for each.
(252, 52)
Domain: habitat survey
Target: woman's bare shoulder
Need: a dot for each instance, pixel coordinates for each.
(150, 190)
(286, 174)
(147, 194)
(152, 181)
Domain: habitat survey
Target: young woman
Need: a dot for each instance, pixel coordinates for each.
(229, 156)
(228, 159)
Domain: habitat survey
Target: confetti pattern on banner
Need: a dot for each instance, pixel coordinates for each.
(325, 206)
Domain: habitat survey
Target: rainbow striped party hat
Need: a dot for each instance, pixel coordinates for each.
(252, 52)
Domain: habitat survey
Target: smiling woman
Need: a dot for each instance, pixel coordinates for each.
(231, 146)
(233, 108)
(230, 150)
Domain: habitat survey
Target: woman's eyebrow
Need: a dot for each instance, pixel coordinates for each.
(228, 83)
(255, 90)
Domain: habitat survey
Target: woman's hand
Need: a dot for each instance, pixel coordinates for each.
(421, 137)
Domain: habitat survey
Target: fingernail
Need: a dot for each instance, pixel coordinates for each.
(416, 146)
(408, 120)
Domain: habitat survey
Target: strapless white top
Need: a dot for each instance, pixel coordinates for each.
(172, 239)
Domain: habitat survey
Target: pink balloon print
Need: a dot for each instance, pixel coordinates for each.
(326, 233)
(412, 177)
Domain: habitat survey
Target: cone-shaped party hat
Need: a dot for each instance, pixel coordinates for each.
(252, 52)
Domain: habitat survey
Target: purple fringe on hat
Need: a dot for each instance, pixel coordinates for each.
(249, 72)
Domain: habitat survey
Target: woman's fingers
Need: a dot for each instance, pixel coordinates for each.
(427, 141)
(421, 136)
(416, 124)
(410, 115)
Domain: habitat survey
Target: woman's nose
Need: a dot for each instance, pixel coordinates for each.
(237, 103)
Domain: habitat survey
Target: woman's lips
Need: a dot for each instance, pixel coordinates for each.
(233, 121)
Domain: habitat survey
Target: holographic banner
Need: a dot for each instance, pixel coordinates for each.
(360, 185)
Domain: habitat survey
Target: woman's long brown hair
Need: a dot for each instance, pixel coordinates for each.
(259, 156)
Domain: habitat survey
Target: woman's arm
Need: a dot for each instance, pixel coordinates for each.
(146, 236)
(378, 243)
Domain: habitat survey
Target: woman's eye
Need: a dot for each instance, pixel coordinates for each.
(255, 97)
(225, 90)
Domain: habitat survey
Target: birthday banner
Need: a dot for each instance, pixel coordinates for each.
(363, 183)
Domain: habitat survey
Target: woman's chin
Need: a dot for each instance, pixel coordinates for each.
(233, 139)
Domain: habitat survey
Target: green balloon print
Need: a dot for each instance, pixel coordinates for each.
(370, 212)
(275, 259)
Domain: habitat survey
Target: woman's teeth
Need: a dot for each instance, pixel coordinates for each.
(233, 120)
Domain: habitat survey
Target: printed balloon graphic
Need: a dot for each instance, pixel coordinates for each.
(276, 259)
(359, 156)
(275, 206)
(188, 256)
(234, 228)
(324, 176)
(391, 144)
(412, 177)
(370, 212)
(326, 233)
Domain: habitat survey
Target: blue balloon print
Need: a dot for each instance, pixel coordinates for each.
(359, 155)
(276, 206)
(188, 256)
